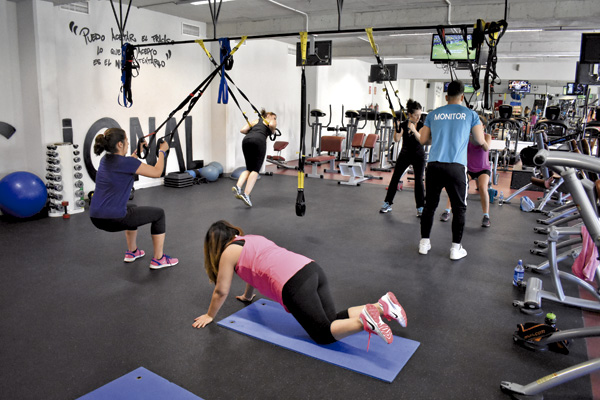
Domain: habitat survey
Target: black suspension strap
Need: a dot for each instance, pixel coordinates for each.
(442, 34)
(489, 33)
(397, 119)
(214, 13)
(340, 5)
(191, 98)
(128, 63)
(300, 200)
(226, 75)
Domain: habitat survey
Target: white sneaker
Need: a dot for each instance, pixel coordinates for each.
(457, 253)
(246, 199)
(424, 246)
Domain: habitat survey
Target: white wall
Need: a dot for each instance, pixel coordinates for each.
(11, 151)
(63, 69)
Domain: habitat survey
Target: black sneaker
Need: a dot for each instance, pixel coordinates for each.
(485, 222)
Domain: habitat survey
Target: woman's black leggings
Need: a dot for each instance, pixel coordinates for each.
(254, 147)
(404, 160)
(306, 296)
(136, 216)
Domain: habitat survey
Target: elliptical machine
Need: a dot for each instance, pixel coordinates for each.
(384, 129)
(316, 128)
(350, 128)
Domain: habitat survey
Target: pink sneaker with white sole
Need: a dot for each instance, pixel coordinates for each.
(372, 323)
(131, 256)
(392, 309)
(163, 262)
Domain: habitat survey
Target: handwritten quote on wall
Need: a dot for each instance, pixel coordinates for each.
(108, 50)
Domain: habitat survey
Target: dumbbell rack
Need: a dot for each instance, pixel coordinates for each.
(64, 180)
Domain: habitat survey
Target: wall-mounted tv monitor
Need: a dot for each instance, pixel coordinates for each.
(457, 46)
(576, 89)
(389, 73)
(587, 73)
(519, 86)
(590, 48)
(468, 88)
(322, 55)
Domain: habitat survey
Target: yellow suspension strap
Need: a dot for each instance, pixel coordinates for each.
(385, 89)
(214, 62)
(300, 200)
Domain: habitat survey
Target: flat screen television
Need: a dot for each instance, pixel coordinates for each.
(519, 86)
(457, 46)
(590, 48)
(389, 73)
(576, 89)
(322, 55)
(587, 73)
(468, 87)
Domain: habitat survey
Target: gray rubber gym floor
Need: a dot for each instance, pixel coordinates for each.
(75, 316)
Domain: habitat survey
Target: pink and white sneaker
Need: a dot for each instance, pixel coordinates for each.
(372, 323)
(392, 309)
(163, 262)
(131, 256)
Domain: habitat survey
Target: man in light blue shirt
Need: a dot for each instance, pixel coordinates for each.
(448, 129)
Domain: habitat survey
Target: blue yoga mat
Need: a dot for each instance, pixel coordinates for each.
(140, 384)
(268, 321)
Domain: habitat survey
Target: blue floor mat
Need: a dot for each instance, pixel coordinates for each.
(140, 384)
(268, 321)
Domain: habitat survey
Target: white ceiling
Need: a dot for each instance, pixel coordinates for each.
(562, 22)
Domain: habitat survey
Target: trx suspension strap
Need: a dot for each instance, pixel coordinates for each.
(223, 89)
(224, 74)
(473, 69)
(385, 89)
(300, 201)
(442, 34)
(128, 62)
(192, 99)
(482, 32)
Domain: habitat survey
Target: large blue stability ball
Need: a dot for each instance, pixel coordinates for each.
(210, 172)
(237, 172)
(22, 194)
(218, 166)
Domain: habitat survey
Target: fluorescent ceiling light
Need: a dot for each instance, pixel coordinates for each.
(412, 34)
(525, 30)
(200, 2)
(543, 55)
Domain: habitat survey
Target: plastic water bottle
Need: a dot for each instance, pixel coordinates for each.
(501, 198)
(550, 319)
(519, 274)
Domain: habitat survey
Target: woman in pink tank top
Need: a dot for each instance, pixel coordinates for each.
(296, 282)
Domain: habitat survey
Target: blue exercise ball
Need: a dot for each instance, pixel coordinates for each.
(210, 173)
(218, 166)
(22, 194)
(237, 172)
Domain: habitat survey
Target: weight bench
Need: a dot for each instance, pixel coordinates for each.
(278, 159)
(356, 170)
(329, 144)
